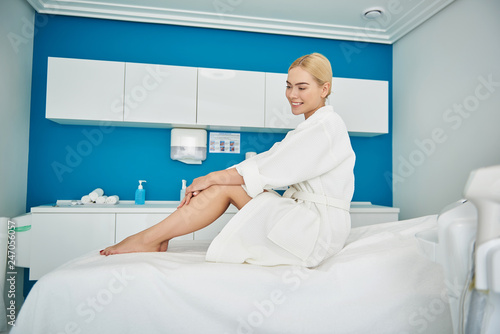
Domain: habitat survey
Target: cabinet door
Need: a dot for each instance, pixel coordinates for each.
(359, 219)
(211, 231)
(278, 111)
(160, 94)
(362, 104)
(230, 98)
(80, 90)
(129, 224)
(58, 238)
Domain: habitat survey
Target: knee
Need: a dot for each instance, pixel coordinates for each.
(232, 194)
(225, 192)
(218, 190)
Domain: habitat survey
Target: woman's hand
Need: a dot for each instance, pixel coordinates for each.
(227, 176)
(185, 200)
(199, 184)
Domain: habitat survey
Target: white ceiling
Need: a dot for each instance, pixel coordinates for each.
(333, 19)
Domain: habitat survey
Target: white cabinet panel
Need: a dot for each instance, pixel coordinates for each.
(278, 111)
(365, 213)
(80, 89)
(160, 94)
(364, 219)
(230, 98)
(211, 231)
(58, 238)
(362, 104)
(129, 224)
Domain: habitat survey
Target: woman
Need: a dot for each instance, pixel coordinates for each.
(309, 223)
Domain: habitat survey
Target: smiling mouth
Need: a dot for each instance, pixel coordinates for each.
(295, 104)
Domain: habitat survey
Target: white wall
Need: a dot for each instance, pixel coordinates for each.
(16, 53)
(446, 114)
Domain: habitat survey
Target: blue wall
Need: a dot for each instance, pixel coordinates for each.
(124, 155)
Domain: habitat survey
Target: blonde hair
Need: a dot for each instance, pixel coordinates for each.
(318, 66)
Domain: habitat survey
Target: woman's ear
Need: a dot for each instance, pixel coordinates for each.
(325, 89)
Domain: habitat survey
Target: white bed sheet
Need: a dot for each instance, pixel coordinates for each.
(379, 283)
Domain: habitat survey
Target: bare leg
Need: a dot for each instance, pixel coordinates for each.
(203, 210)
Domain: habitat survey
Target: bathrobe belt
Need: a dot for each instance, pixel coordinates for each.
(316, 198)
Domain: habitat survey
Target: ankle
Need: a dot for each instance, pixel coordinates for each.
(151, 237)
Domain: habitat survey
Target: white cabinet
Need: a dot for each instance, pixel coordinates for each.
(278, 112)
(79, 90)
(362, 104)
(129, 224)
(130, 94)
(230, 98)
(59, 234)
(58, 238)
(365, 213)
(160, 94)
(211, 231)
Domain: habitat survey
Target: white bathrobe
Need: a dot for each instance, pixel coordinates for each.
(316, 159)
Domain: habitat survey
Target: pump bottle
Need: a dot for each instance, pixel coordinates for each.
(183, 189)
(140, 194)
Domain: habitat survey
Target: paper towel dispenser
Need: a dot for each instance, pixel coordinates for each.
(188, 145)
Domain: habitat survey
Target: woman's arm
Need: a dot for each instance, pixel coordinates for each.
(223, 177)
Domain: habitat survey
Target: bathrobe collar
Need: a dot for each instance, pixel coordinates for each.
(320, 111)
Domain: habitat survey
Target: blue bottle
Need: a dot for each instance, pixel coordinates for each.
(140, 194)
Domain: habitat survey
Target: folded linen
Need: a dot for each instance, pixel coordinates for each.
(95, 194)
(112, 199)
(101, 199)
(86, 199)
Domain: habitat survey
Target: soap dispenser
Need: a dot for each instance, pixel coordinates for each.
(183, 189)
(140, 194)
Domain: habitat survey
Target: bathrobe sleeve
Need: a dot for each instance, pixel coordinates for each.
(315, 147)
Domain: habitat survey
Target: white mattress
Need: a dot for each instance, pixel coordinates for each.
(379, 283)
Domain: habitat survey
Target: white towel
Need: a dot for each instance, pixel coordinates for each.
(112, 199)
(86, 199)
(101, 199)
(95, 194)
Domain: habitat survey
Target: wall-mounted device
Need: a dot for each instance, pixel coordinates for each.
(188, 145)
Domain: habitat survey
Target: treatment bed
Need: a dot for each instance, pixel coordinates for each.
(379, 283)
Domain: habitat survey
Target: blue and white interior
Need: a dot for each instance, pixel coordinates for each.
(440, 61)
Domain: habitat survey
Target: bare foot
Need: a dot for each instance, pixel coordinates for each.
(164, 246)
(135, 244)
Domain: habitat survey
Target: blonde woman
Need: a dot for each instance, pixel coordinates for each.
(309, 223)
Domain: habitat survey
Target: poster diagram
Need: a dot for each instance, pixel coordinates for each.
(221, 142)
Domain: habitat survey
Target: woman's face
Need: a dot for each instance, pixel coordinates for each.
(304, 93)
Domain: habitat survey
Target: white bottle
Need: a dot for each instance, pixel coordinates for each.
(183, 189)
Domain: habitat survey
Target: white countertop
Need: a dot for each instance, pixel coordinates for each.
(122, 207)
(359, 207)
(167, 207)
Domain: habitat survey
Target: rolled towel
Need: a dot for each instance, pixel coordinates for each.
(96, 193)
(101, 199)
(86, 199)
(112, 199)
